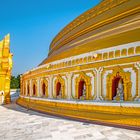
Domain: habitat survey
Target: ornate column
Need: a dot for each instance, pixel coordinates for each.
(26, 91)
(30, 85)
(50, 86)
(96, 84)
(99, 84)
(69, 85)
(38, 88)
(137, 65)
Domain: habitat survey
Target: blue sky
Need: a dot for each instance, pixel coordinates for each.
(33, 24)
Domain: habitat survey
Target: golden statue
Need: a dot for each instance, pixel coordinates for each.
(120, 91)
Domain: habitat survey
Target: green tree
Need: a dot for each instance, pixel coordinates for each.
(15, 82)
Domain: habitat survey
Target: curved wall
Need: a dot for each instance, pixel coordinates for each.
(78, 78)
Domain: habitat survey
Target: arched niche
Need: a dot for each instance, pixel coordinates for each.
(28, 89)
(44, 88)
(112, 84)
(34, 88)
(58, 90)
(115, 82)
(59, 87)
(83, 87)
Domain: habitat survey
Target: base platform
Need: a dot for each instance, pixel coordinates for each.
(125, 114)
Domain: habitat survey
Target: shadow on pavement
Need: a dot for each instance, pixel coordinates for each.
(16, 107)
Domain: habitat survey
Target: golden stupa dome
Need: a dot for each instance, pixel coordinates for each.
(110, 23)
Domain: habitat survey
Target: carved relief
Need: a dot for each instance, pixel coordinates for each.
(115, 77)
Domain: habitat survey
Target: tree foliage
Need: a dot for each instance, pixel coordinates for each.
(15, 82)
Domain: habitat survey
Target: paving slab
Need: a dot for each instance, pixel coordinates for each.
(18, 123)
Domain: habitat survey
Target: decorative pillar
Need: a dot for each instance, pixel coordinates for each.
(137, 65)
(26, 91)
(39, 94)
(50, 86)
(30, 85)
(99, 84)
(69, 85)
(94, 86)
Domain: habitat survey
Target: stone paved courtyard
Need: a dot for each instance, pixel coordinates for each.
(17, 123)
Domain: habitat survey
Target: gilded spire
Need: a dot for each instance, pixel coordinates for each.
(7, 40)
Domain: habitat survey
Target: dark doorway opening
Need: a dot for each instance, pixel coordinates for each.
(44, 89)
(58, 89)
(34, 90)
(81, 88)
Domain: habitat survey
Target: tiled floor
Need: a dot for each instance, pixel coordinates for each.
(17, 123)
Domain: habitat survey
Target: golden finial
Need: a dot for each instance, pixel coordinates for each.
(7, 38)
